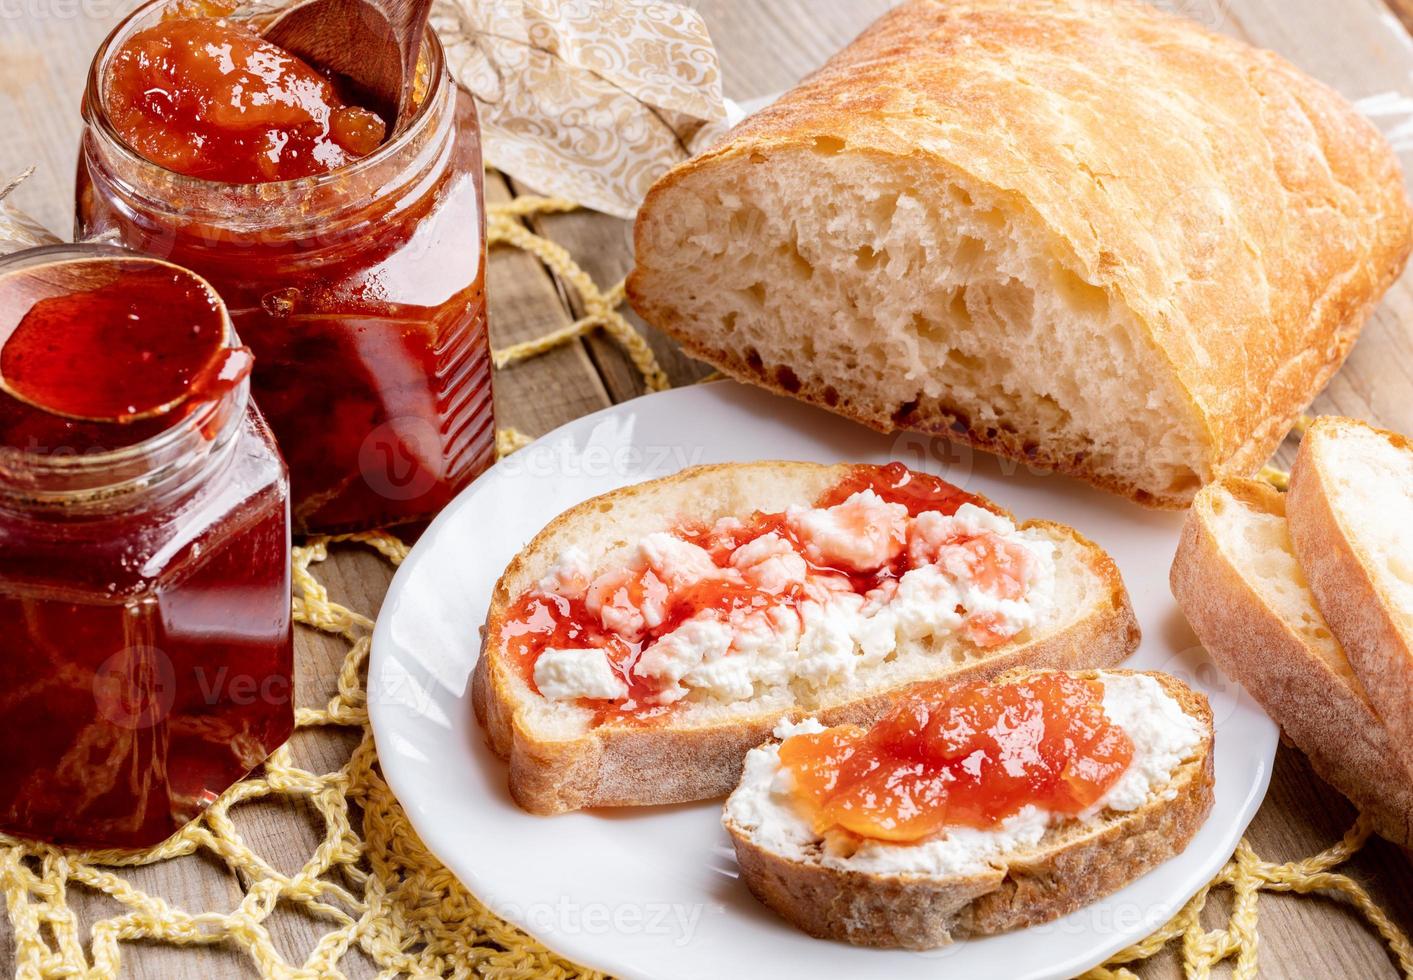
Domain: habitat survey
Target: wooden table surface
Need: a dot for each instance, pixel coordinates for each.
(1358, 46)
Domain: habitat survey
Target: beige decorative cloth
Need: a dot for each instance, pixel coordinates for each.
(590, 100)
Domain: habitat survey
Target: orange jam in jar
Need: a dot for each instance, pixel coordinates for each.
(144, 554)
(353, 267)
(210, 98)
(971, 756)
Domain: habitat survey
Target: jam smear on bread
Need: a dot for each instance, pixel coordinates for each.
(663, 625)
(972, 757)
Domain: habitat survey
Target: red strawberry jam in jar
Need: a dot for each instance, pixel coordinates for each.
(352, 265)
(144, 552)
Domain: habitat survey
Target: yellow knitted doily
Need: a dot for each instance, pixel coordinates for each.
(376, 886)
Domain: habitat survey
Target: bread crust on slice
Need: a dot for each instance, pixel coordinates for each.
(1286, 658)
(1374, 627)
(698, 755)
(1074, 865)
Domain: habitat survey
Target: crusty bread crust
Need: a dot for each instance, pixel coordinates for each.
(1343, 580)
(627, 765)
(1324, 710)
(1071, 868)
(1250, 304)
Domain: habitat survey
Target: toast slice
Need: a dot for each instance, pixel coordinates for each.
(1238, 582)
(565, 755)
(1351, 518)
(969, 883)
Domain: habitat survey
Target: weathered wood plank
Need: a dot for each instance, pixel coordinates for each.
(558, 386)
(1302, 815)
(197, 883)
(603, 247)
(766, 47)
(43, 63)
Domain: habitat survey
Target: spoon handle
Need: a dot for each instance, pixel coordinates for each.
(408, 19)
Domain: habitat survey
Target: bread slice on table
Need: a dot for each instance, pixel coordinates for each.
(1350, 509)
(562, 757)
(1238, 582)
(1083, 233)
(893, 895)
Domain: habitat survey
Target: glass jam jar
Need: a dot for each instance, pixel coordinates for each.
(144, 599)
(361, 292)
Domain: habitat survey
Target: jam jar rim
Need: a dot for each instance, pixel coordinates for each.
(173, 450)
(95, 114)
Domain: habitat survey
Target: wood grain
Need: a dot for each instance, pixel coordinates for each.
(765, 45)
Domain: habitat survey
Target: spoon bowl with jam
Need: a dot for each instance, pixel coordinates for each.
(95, 334)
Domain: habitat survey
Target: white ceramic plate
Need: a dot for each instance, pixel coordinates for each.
(653, 892)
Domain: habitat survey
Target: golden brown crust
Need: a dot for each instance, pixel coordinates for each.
(1067, 871)
(887, 912)
(1342, 578)
(1323, 709)
(1244, 213)
(618, 765)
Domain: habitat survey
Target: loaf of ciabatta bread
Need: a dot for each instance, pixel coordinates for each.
(1350, 509)
(1083, 233)
(1241, 587)
(647, 639)
(963, 880)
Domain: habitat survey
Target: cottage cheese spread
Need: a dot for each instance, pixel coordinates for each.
(805, 618)
(1163, 735)
(561, 674)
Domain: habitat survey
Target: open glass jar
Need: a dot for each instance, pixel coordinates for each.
(144, 602)
(360, 291)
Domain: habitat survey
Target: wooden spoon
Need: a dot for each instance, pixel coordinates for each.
(373, 43)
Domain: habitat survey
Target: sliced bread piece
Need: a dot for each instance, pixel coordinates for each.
(966, 882)
(1238, 582)
(566, 755)
(1350, 509)
(1093, 236)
